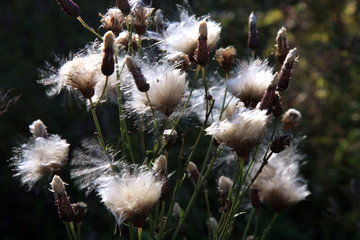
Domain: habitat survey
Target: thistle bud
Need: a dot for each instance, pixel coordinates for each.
(124, 6)
(65, 210)
(160, 167)
(282, 45)
(267, 100)
(159, 22)
(290, 119)
(280, 143)
(286, 70)
(277, 109)
(139, 78)
(182, 62)
(224, 187)
(69, 7)
(201, 54)
(193, 172)
(253, 38)
(225, 57)
(38, 129)
(80, 210)
(108, 62)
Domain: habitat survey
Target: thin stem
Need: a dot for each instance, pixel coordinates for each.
(78, 230)
(142, 136)
(129, 28)
(102, 93)
(154, 119)
(257, 223)
(266, 230)
(196, 191)
(140, 233)
(161, 219)
(252, 213)
(139, 47)
(72, 229)
(68, 230)
(89, 28)
(224, 99)
(131, 231)
(208, 212)
(97, 125)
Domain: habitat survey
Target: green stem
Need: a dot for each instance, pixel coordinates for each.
(161, 220)
(89, 28)
(140, 233)
(266, 230)
(97, 125)
(102, 93)
(129, 28)
(257, 223)
(78, 230)
(208, 212)
(154, 119)
(252, 213)
(224, 99)
(131, 231)
(68, 230)
(196, 191)
(72, 229)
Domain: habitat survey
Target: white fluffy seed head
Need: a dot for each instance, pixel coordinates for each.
(279, 184)
(57, 185)
(182, 37)
(38, 129)
(291, 118)
(253, 78)
(242, 132)
(160, 164)
(224, 185)
(39, 157)
(131, 195)
(167, 90)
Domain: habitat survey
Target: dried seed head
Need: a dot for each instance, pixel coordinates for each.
(113, 21)
(108, 62)
(290, 119)
(69, 7)
(159, 22)
(80, 209)
(140, 20)
(286, 70)
(160, 165)
(280, 143)
(182, 62)
(267, 101)
(225, 57)
(124, 39)
(201, 53)
(124, 6)
(224, 187)
(193, 172)
(282, 45)
(253, 38)
(65, 210)
(169, 138)
(38, 129)
(139, 78)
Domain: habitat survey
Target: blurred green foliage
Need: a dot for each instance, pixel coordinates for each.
(325, 87)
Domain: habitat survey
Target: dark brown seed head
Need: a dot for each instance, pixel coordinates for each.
(108, 62)
(225, 57)
(69, 7)
(80, 210)
(280, 143)
(141, 19)
(124, 6)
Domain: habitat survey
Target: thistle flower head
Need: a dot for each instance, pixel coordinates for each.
(242, 132)
(130, 195)
(225, 57)
(279, 185)
(182, 37)
(224, 187)
(290, 119)
(113, 21)
(140, 20)
(167, 89)
(253, 78)
(39, 157)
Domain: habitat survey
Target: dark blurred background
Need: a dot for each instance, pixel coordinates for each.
(325, 88)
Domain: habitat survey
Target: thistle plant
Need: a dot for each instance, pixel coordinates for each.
(169, 103)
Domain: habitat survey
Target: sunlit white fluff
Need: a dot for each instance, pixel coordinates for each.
(167, 90)
(130, 195)
(253, 78)
(90, 162)
(279, 184)
(182, 37)
(40, 156)
(242, 132)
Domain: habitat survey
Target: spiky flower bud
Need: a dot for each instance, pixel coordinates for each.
(108, 62)
(141, 19)
(253, 38)
(80, 209)
(282, 45)
(159, 22)
(290, 119)
(124, 6)
(286, 70)
(202, 52)
(225, 57)
(38, 129)
(69, 7)
(66, 211)
(139, 78)
(280, 143)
